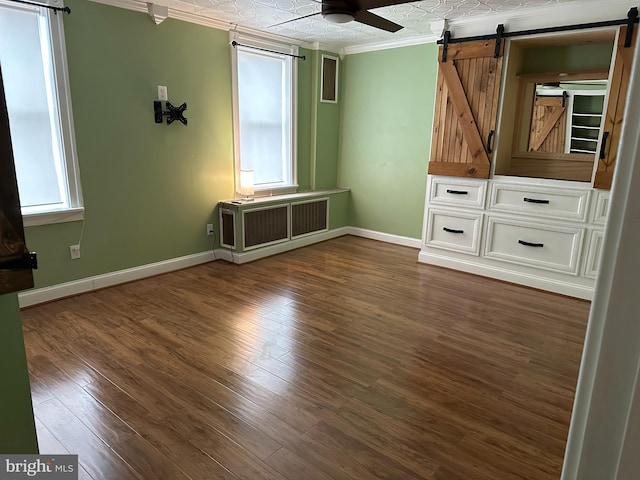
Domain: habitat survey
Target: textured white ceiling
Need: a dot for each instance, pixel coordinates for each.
(415, 17)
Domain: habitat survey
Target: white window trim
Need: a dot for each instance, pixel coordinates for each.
(75, 210)
(282, 48)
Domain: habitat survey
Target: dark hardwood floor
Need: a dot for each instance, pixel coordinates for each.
(342, 360)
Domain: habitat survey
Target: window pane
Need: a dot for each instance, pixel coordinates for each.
(35, 148)
(263, 126)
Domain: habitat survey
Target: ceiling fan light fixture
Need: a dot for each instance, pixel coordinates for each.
(338, 17)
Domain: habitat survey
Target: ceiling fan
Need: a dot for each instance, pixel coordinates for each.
(343, 11)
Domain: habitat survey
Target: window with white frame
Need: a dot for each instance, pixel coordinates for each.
(264, 86)
(33, 63)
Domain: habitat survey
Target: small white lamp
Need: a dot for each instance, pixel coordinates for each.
(246, 185)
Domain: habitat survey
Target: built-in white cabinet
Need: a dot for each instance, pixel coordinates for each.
(547, 235)
(523, 154)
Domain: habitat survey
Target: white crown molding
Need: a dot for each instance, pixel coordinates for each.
(561, 14)
(572, 13)
(141, 6)
(135, 5)
(197, 19)
(239, 33)
(405, 42)
(322, 46)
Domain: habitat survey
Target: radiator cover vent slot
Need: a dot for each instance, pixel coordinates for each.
(227, 230)
(266, 225)
(309, 217)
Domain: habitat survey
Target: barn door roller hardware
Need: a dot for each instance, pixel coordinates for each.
(630, 21)
(23, 261)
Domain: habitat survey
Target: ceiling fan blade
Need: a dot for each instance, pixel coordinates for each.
(294, 19)
(374, 20)
(371, 4)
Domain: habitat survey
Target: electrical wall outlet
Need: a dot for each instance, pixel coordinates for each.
(162, 93)
(75, 251)
(210, 229)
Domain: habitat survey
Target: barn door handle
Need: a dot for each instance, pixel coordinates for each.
(24, 261)
(452, 230)
(530, 244)
(489, 140)
(605, 136)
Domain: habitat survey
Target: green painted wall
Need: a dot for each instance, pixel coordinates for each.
(326, 133)
(567, 58)
(17, 427)
(149, 189)
(387, 114)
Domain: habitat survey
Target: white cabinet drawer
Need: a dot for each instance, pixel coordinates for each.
(454, 231)
(548, 202)
(457, 192)
(544, 246)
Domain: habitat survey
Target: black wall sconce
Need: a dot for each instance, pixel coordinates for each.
(172, 113)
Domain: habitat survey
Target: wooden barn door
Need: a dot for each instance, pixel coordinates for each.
(548, 125)
(614, 115)
(466, 107)
(15, 260)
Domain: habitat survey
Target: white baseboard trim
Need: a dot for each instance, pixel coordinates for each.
(252, 255)
(83, 285)
(54, 292)
(542, 283)
(384, 237)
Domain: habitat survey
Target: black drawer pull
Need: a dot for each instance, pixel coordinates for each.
(457, 192)
(534, 200)
(452, 230)
(489, 138)
(530, 244)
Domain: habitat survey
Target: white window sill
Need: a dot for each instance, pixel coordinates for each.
(280, 198)
(53, 216)
(271, 192)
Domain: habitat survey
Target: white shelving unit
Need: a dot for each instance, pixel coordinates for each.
(585, 119)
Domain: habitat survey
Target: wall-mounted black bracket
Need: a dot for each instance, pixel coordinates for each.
(632, 19)
(23, 261)
(172, 113)
(499, 33)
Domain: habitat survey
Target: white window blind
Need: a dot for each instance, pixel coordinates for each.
(265, 118)
(44, 159)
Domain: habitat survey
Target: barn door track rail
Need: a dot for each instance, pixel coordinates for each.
(630, 21)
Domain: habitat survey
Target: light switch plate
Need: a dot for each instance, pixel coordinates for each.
(162, 93)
